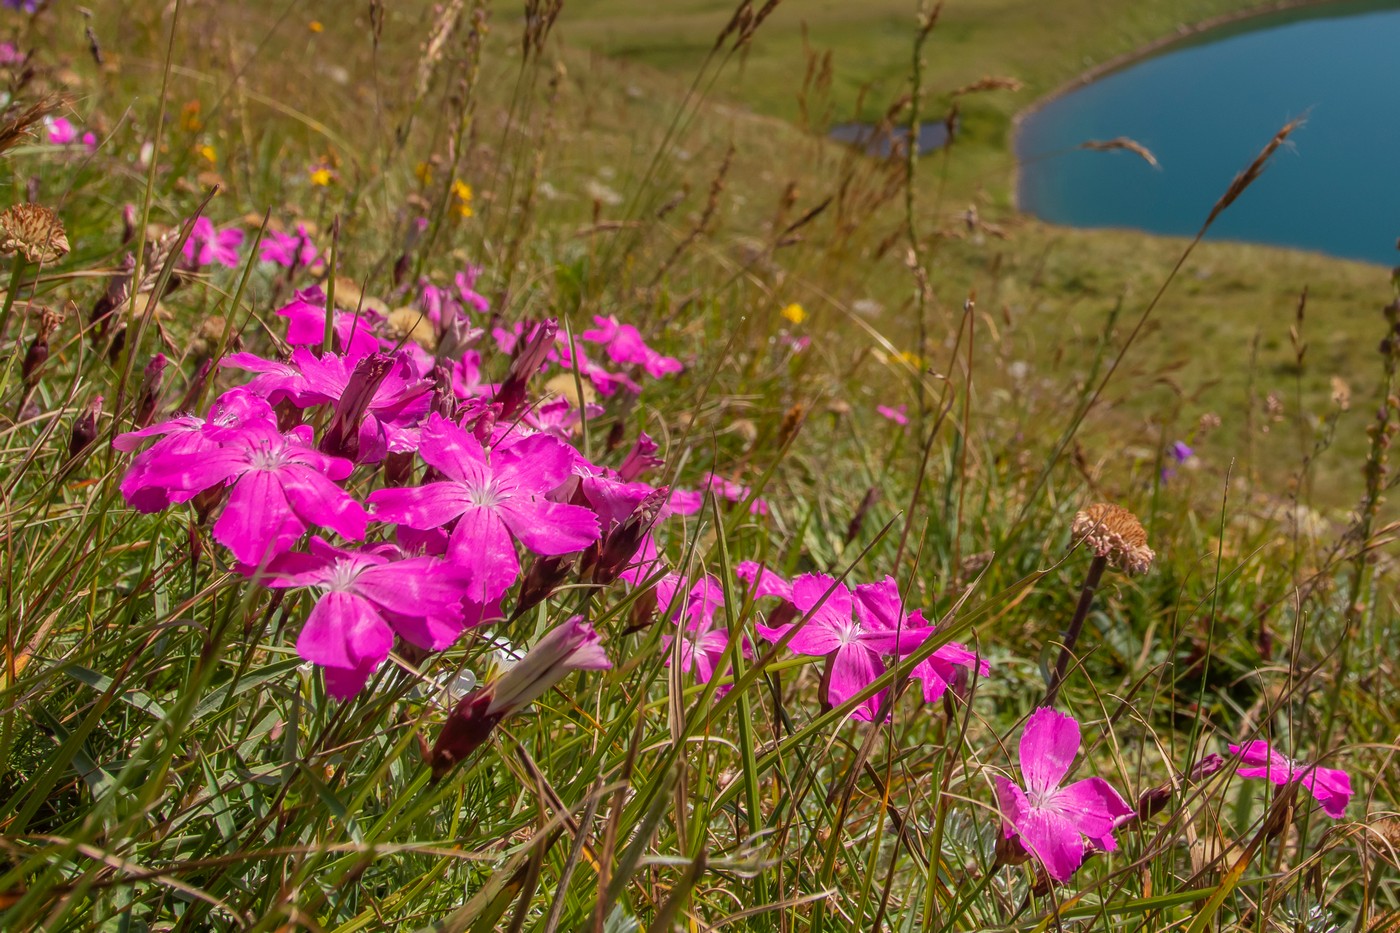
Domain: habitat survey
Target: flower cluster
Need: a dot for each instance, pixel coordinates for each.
(448, 478)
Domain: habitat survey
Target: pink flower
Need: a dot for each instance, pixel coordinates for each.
(850, 632)
(279, 487)
(306, 325)
(368, 596)
(61, 131)
(495, 502)
(702, 643)
(187, 434)
(573, 646)
(1052, 821)
(287, 250)
(207, 245)
(1331, 787)
(884, 610)
(624, 345)
(466, 289)
(898, 414)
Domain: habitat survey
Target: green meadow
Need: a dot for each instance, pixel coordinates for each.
(362, 570)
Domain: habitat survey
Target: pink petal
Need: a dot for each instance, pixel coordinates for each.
(550, 527)
(1331, 787)
(853, 669)
(808, 590)
(538, 463)
(420, 507)
(1276, 767)
(482, 545)
(1012, 803)
(453, 451)
(1048, 747)
(1050, 837)
(257, 523)
(344, 631)
(319, 501)
(1092, 807)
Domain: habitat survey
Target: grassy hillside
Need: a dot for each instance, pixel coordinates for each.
(208, 723)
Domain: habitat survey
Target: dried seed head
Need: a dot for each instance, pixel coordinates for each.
(33, 230)
(1115, 533)
(414, 325)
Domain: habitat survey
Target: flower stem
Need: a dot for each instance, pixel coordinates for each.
(10, 292)
(1081, 612)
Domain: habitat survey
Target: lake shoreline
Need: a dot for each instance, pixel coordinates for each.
(1127, 59)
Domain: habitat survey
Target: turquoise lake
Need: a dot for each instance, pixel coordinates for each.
(1207, 105)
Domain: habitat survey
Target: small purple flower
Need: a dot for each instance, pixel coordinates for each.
(1050, 820)
(1180, 452)
(899, 414)
(61, 131)
(625, 346)
(1331, 787)
(702, 642)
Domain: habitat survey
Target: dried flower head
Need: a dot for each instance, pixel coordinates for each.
(33, 230)
(1115, 533)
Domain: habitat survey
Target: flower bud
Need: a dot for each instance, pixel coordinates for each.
(641, 458)
(573, 646)
(84, 428)
(342, 437)
(623, 540)
(1155, 799)
(149, 396)
(543, 578)
(528, 359)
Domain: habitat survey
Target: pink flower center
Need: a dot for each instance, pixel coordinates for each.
(341, 578)
(269, 458)
(488, 496)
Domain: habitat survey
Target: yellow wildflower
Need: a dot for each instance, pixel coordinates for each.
(322, 176)
(912, 358)
(207, 153)
(463, 193)
(794, 313)
(315, 25)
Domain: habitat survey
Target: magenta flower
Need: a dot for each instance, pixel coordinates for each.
(1052, 821)
(702, 642)
(573, 646)
(280, 486)
(625, 346)
(186, 435)
(206, 245)
(287, 250)
(368, 596)
(936, 672)
(306, 325)
(1331, 787)
(495, 502)
(899, 414)
(848, 631)
(61, 131)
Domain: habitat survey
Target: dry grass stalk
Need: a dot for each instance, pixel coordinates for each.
(17, 124)
(990, 83)
(1252, 171)
(1124, 144)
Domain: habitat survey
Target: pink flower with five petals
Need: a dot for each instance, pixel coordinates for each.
(495, 500)
(1050, 820)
